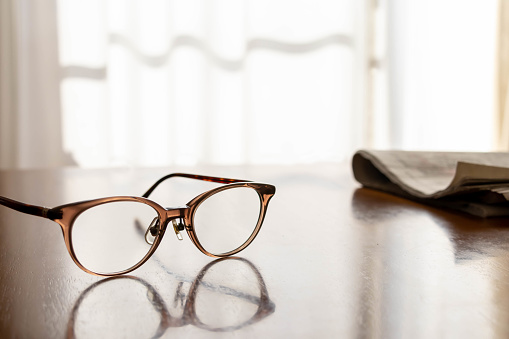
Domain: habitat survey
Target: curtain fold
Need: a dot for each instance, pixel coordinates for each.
(502, 86)
(8, 84)
(30, 115)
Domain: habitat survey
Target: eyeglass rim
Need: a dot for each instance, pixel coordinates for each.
(265, 193)
(69, 213)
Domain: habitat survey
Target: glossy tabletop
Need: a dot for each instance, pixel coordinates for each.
(331, 260)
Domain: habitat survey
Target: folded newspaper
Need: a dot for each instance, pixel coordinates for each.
(476, 183)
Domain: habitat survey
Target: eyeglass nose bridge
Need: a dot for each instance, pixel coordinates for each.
(176, 216)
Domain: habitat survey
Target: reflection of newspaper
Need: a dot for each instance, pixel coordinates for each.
(477, 183)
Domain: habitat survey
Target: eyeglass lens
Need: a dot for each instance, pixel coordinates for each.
(225, 221)
(107, 238)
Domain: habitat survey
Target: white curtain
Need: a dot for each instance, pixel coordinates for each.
(182, 82)
(440, 73)
(30, 114)
(190, 82)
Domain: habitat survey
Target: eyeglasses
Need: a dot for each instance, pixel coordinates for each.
(116, 235)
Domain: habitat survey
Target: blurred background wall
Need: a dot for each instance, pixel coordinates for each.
(186, 82)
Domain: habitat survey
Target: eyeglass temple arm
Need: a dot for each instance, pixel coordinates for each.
(192, 176)
(38, 211)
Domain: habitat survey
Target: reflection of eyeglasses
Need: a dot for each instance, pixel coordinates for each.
(217, 306)
(103, 235)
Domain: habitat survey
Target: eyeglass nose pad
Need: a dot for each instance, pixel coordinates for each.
(177, 227)
(151, 232)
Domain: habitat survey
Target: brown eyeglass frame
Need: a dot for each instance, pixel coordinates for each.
(65, 215)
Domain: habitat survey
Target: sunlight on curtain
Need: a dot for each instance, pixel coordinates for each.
(30, 116)
(182, 82)
(441, 74)
(186, 82)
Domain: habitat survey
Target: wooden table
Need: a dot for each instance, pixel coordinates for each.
(332, 260)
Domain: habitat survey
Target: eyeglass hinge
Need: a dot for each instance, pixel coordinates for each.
(50, 213)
